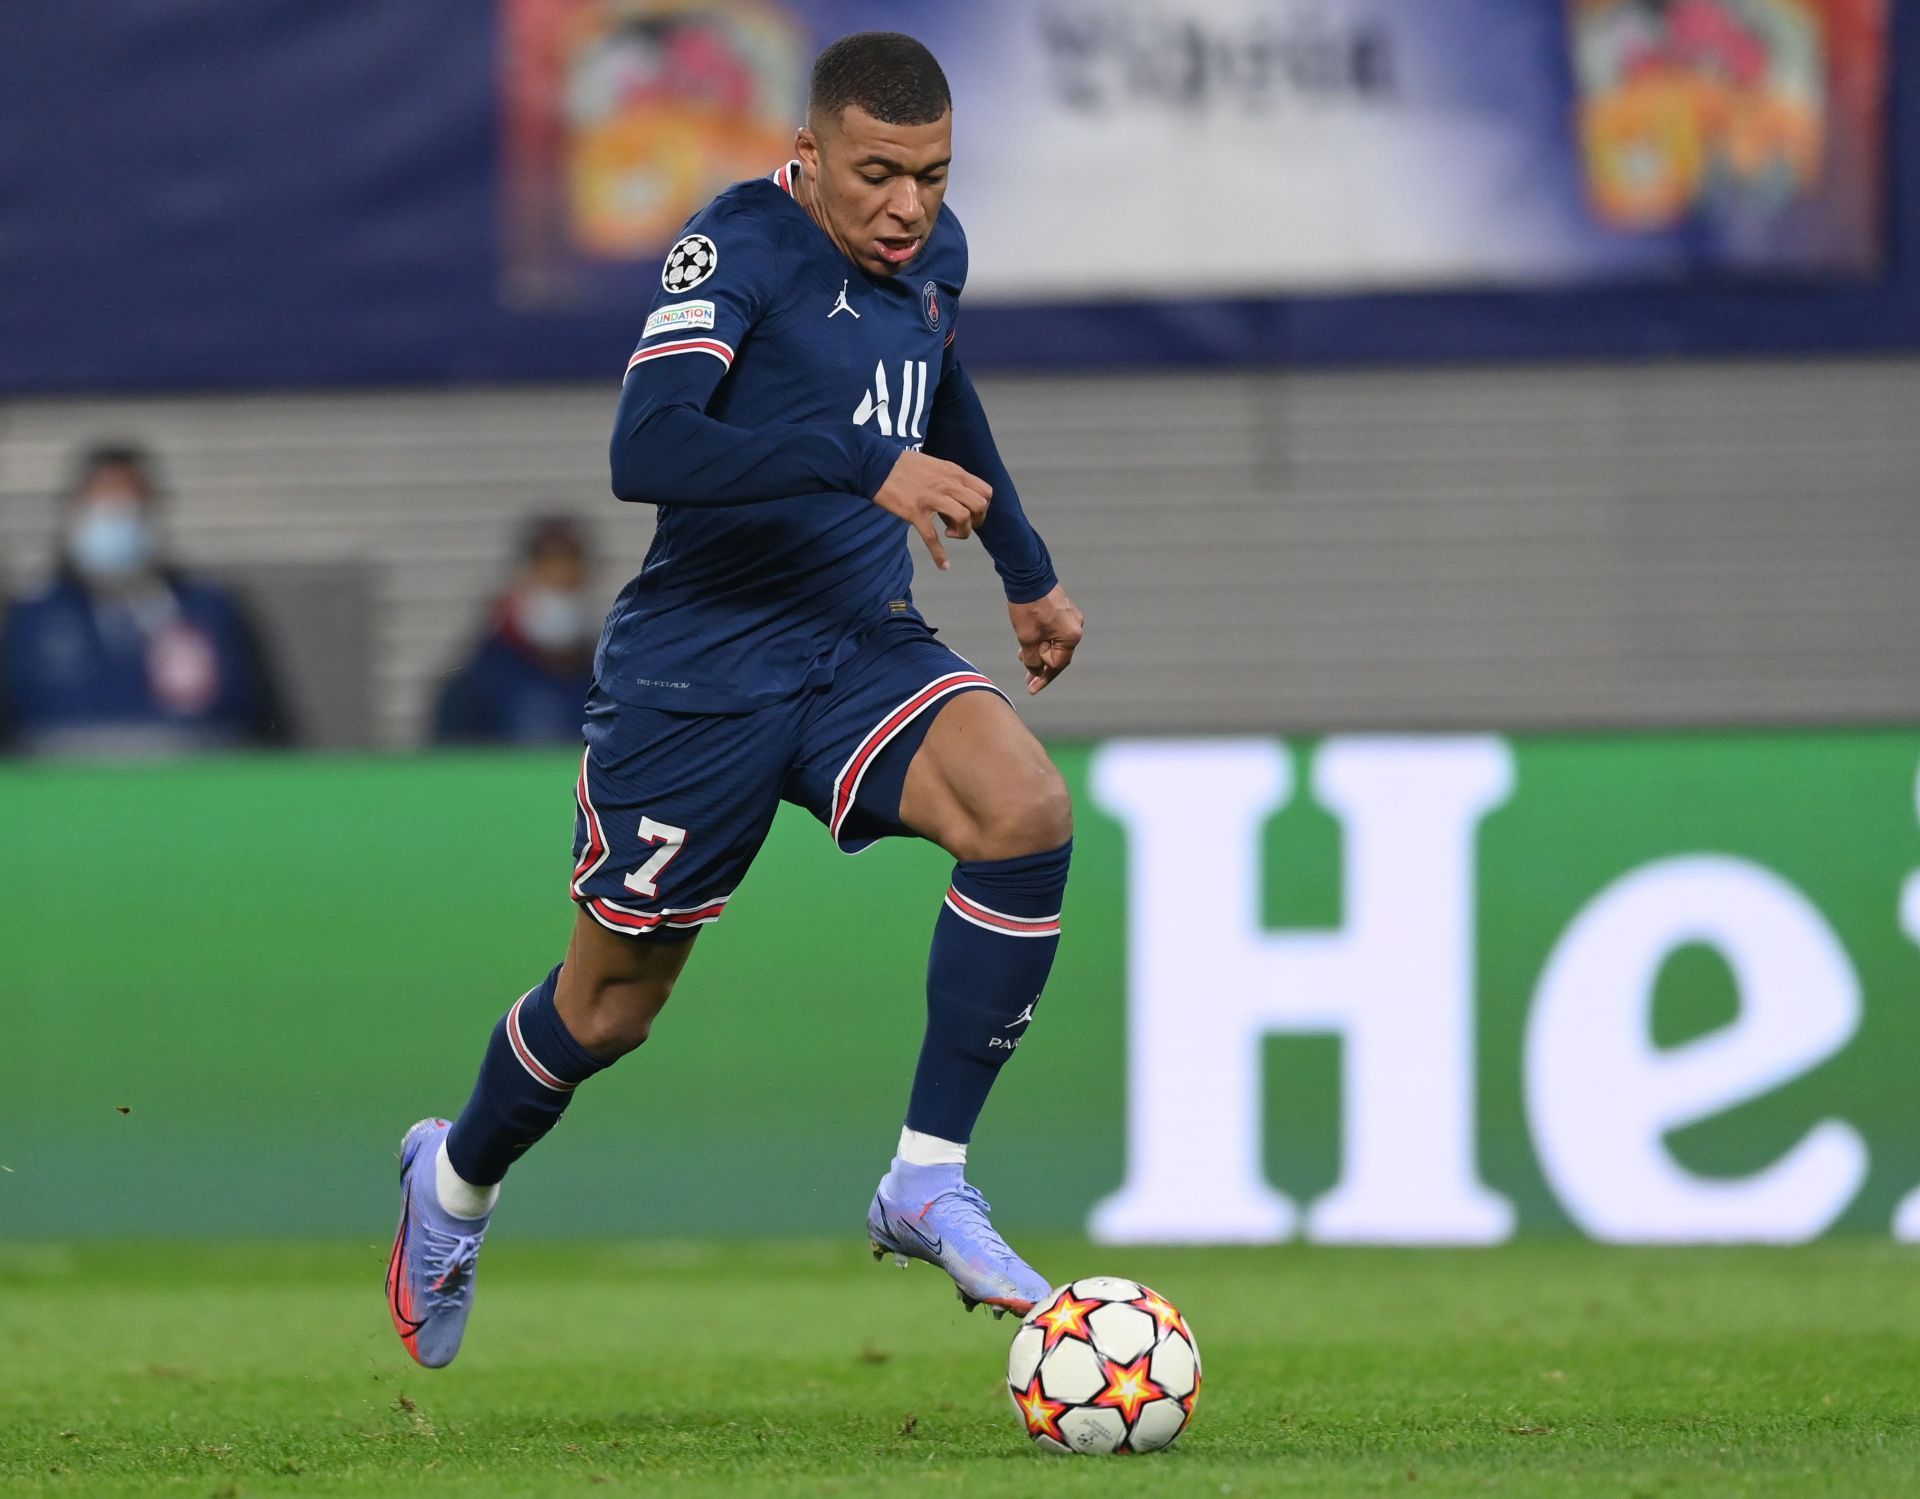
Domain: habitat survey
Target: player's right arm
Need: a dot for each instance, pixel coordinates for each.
(667, 450)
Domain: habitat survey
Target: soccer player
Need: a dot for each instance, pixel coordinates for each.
(795, 408)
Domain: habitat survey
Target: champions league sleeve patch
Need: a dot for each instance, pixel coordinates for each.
(689, 263)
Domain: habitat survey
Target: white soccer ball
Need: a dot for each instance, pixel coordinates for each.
(1104, 1365)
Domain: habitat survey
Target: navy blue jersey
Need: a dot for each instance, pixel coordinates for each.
(774, 386)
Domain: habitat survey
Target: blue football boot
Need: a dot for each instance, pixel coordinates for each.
(430, 1277)
(930, 1213)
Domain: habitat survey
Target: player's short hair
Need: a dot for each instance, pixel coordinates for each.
(886, 73)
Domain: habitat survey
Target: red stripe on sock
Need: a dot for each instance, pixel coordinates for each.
(1025, 926)
(525, 1053)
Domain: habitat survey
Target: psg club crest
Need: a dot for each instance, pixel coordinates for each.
(930, 305)
(689, 263)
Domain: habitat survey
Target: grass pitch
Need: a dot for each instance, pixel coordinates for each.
(803, 1369)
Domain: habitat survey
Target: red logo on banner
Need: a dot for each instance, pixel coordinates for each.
(623, 117)
(1694, 105)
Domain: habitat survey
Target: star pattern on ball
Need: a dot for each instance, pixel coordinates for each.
(1041, 1414)
(1129, 1387)
(1187, 1400)
(1161, 1310)
(1066, 1318)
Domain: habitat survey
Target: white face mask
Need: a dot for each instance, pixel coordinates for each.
(111, 539)
(553, 620)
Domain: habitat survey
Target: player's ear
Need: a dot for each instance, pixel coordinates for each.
(806, 146)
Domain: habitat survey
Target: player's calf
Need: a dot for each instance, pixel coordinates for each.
(614, 985)
(449, 1176)
(993, 947)
(592, 1009)
(527, 1077)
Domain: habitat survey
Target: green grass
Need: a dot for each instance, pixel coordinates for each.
(802, 1369)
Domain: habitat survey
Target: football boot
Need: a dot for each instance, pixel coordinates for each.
(930, 1213)
(435, 1256)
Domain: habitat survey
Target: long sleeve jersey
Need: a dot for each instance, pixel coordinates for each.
(774, 387)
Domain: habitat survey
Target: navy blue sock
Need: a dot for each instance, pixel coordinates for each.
(993, 947)
(526, 1081)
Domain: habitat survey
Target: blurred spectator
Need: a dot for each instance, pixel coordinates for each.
(527, 681)
(123, 654)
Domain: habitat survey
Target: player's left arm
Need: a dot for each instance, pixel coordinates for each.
(1045, 622)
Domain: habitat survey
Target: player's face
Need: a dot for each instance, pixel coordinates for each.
(876, 188)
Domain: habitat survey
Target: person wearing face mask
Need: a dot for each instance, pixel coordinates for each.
(527, 680)
(123, 653)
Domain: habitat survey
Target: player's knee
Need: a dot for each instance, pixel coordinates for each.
(1030, 816)
(615, 1015)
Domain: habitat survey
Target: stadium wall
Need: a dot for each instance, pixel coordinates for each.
(1456, 988)
(1560, 547)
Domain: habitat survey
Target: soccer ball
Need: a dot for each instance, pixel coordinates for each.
(1104, 1365)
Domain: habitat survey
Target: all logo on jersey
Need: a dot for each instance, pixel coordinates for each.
(689, 263)
(841, 304)
(877, 404)
(930, 305)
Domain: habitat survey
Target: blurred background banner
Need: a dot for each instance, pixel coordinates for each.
(1415, 989)
(1285, 146)
(1305, 147)
(449, 189)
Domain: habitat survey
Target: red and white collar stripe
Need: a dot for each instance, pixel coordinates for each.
(785, 177)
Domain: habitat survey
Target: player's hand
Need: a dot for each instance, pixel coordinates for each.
(932, 495)
(1048, 629)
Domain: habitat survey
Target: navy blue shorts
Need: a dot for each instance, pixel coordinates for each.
(674, 806)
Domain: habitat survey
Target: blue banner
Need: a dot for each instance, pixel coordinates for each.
(223, 194)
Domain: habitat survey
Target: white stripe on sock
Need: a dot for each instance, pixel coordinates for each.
(457, 1195)
(917, 1149)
